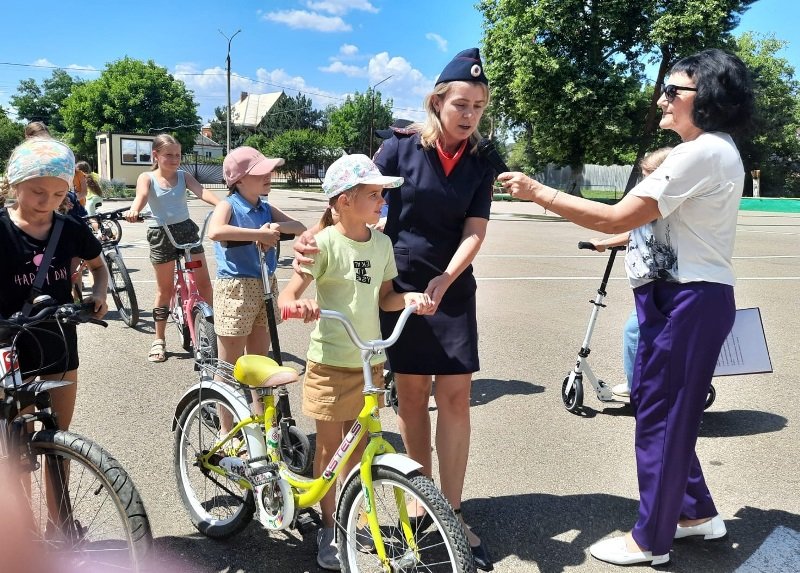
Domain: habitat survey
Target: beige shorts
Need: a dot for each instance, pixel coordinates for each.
(335, 394)
(239, 306)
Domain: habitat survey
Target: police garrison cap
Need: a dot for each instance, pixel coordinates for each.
(466, 66)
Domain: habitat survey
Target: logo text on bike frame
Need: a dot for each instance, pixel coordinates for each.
(337, 457)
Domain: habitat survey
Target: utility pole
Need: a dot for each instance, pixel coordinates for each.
(228, 61)
(372, 113)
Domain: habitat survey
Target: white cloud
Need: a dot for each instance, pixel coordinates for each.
(338, 67)
(441, 43)
(301, 19)
(341, 7)
(348, 50)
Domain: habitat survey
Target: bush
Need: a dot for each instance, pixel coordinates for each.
(116, 188)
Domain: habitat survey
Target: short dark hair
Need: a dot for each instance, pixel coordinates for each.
(724, 100)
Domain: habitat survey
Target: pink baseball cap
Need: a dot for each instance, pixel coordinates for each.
(247, 161)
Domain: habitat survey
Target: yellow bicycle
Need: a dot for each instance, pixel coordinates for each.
(225, 480)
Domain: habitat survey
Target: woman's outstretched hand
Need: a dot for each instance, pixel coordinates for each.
(518, 185)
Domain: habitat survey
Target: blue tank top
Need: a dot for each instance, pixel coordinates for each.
(167, 204)
(242, 262)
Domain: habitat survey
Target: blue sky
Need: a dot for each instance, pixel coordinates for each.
(324, 48)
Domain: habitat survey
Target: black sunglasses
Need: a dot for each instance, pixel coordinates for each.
(670, 91)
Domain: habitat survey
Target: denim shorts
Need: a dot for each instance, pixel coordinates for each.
(163, 251)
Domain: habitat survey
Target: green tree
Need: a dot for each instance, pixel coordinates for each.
(219, 130)
(299, 147)
(774, 146)
(351, 124)
(290, 113)
(130, 96)
(11, 135)
(44, 103)
(570, 74)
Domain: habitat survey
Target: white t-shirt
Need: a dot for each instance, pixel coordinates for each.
(698, 188)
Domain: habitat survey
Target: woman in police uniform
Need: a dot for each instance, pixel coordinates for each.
(437, 222)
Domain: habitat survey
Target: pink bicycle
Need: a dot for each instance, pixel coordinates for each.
(193, 316)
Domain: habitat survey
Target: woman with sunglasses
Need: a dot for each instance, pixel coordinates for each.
(683, 222)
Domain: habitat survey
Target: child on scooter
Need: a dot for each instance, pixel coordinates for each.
(353, 270)
(630, 332)
(240, 317)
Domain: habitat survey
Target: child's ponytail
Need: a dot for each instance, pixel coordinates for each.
(327, 218)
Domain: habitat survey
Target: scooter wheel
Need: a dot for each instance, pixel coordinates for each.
(572, 397)
(712, 395)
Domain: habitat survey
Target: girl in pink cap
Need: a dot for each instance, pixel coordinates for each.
(240, 317)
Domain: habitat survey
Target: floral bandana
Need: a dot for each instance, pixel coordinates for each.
(41, 157)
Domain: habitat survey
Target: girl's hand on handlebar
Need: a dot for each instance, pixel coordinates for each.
(304, 246)
(599, 244)
(305, 308)
(132, 216)
(269, 235)
(100, 305)
(424, 303)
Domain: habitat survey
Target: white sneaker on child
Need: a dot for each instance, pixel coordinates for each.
(621, 391)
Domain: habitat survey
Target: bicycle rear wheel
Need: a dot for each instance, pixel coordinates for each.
(94, 522)
(217, 506)
(441, 547)
(206, 348)
(122, 289)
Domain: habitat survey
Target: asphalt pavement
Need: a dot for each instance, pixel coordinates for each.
(543, 484)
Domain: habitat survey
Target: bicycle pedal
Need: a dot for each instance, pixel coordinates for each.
(308, 522)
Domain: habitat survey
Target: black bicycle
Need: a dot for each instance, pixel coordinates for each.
(84, 509)
(120, 283)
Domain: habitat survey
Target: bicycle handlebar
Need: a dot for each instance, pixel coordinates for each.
(348, 326)
(67, 313)
(115, 215)
(183, 246)
(235, 244)
(591, 246)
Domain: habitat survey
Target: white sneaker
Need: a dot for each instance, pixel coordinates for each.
(621, 390)
(615, 551)
(714, 528)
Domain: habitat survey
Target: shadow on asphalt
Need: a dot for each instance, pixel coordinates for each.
(740, 423)
(485, 390)
(555, 532)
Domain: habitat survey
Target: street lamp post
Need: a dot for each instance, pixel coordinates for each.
(372, 113)
(228, 61)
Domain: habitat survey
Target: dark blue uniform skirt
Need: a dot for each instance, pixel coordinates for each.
(443, 343)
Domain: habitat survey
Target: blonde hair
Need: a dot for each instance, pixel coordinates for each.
(431, 131)
(159, 143)
(329, 217)
(652, 160)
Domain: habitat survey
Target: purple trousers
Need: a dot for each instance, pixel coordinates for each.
(682, 328)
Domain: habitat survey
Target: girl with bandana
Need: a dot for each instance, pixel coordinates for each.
(38, 176)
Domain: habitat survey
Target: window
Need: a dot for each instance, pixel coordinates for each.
(136, 151)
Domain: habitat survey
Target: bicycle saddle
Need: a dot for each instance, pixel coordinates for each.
(262, 372)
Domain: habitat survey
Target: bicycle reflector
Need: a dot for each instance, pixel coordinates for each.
(194, 264)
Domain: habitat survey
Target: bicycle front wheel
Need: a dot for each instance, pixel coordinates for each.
(84, 506)
(122, 289)
(111, 230)
(217, 506)
(441, 547)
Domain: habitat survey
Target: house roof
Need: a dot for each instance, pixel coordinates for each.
(201, 139)
(248, 112)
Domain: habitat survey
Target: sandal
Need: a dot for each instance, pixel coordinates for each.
(158, 351)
